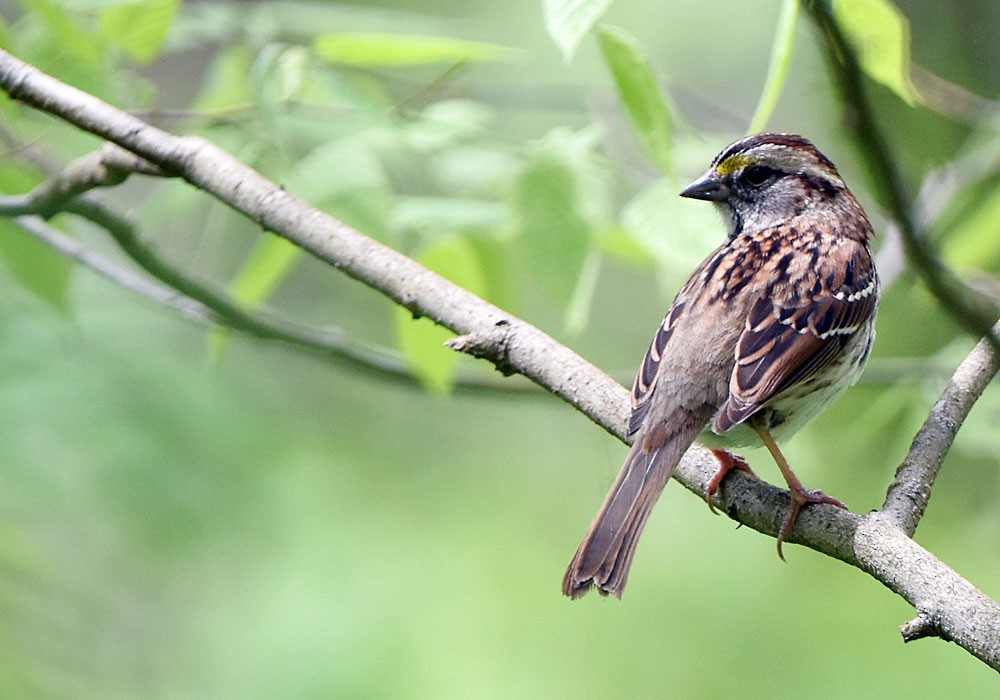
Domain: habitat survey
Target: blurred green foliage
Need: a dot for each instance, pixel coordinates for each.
(266, 524)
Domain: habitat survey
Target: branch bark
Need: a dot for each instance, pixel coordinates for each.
(947, 605)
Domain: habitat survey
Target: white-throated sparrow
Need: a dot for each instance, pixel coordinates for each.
(767, 331)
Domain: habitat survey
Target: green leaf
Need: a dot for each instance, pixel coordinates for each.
(777, 71)
(639, 90)
(227, 80)
(436, 216)
(269, 264)
(678, 232)
(345, 178)
(140, 28)
(445, 123)
(578, 311)
(495, 263)
(568, 21)
(421, 340)
(973, 243)
(37, 267)
(71, 36)
(554, 235)
(41, 270)
(620, 243)
(477, 170)
(405, 50)
(880, 34)
(277, 76)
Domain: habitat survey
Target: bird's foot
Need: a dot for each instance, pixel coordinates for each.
(801, 497)
(727, 463)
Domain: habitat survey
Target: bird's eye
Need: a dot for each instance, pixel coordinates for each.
(757, 175)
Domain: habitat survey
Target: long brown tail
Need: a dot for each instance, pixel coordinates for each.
(605, 555)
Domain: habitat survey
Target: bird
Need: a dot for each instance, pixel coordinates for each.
(768, 330)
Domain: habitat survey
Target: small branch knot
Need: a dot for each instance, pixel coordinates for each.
(923, 625)
(490, 346)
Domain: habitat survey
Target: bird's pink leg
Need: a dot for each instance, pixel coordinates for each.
(800, 495)
(727, 463)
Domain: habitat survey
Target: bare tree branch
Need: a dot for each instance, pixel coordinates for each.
(947, 605)
(75, 250)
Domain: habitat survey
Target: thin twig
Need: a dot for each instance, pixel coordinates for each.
(111, 165)
(950, 99)
(108, 166)
(89, 258)
(911, 489)
(199, 303)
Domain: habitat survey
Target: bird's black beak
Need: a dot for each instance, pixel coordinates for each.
(708, 187)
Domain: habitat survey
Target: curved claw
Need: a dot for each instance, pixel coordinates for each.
(727, 463)
(801, 497)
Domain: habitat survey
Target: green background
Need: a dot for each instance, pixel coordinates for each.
(257, 522)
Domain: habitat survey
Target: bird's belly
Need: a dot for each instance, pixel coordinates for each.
(788, 412)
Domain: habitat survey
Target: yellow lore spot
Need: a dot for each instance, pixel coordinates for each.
(731, 164)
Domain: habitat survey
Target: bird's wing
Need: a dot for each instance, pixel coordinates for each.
(791, 336)
(645, 378)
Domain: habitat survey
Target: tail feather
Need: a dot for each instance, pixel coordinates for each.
(605, 554)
